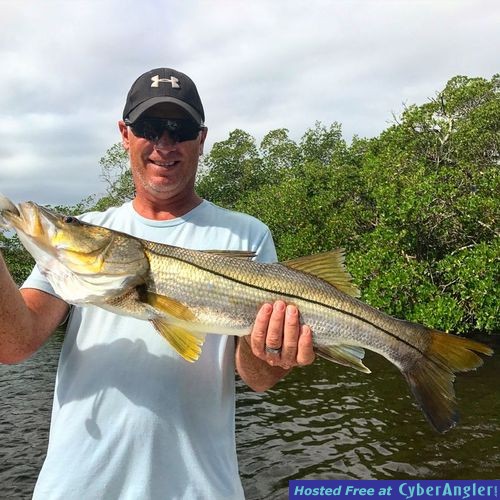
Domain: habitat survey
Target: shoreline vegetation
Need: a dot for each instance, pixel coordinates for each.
(416, 208)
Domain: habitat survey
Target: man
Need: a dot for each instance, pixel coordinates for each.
(131, 419)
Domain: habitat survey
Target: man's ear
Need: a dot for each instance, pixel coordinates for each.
(124, 131)
(203, 136)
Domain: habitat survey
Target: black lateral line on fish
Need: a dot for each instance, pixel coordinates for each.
(352, 315)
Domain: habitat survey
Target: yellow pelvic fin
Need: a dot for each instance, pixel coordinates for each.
(235, 254)
(169, 306)
(175, 328)
(346, 355)
(328, 266)
(181, 316)
(187, 344)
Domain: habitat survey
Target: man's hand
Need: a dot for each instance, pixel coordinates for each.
(278, 337)
(276, 344)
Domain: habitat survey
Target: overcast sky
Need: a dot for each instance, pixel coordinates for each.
(66, 67)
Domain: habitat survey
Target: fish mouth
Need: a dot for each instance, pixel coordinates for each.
(30, 218)
(34, 230)
(13, 217)
(6, 206)
(33, 223)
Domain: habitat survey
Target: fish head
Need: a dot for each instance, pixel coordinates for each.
(70, 240)
(64, 247)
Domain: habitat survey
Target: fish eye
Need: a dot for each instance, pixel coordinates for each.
(71, 220)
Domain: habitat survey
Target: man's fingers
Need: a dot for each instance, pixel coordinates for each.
(259, 331)
(274, 337)
(290, 341)
(278, 337)
(305, 352)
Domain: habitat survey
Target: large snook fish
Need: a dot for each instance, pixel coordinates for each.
(186, 294)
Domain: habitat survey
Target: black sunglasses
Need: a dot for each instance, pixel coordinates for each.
(179, 129)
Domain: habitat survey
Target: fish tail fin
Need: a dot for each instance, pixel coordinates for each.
(431, 376)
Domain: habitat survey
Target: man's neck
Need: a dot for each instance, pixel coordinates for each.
(165, 209)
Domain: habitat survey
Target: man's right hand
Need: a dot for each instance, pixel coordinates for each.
(27, 318)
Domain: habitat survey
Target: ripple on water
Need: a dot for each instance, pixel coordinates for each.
(321, 422)
(354, 426)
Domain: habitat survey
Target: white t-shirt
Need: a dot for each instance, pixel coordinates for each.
(131, 419)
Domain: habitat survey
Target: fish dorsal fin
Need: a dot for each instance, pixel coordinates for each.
(235, 254)
(346, 355)
(328, 266)
(174, 327)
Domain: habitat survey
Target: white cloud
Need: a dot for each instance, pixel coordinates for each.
(259, 65)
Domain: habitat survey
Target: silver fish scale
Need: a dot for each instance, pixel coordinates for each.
(227, 291)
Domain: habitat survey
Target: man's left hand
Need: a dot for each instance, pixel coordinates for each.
(278, 337)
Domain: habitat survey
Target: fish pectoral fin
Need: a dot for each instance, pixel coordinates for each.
(235, 254)
(187, 343)
(328, 266)
(346, 355)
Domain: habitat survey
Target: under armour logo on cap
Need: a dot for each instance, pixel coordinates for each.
(156, 80)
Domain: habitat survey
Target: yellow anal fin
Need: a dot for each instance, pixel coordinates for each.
(187, 344)
(235, 254)
(328, 266)
(344, 355)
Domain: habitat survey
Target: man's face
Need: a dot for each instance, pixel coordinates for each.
(163, 170)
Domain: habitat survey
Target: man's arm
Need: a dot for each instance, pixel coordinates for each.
(27, 318)
(278, 327)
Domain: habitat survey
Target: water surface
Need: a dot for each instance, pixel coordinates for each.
(321, 422)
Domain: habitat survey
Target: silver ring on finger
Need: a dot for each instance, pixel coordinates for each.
(272, 350)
